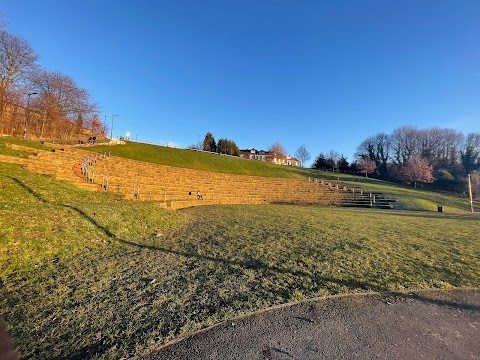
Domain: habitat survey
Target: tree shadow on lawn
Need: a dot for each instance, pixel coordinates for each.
(432, 215)
(252, 264)
(28, 189)
(452, 303)
(255, 264)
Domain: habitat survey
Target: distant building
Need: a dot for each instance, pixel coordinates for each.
(268, 156)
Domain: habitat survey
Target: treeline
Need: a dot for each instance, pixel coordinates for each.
(439, 156)
(35, 102)
(224, 146)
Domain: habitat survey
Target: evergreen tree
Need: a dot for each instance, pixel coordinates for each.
(320, 162)
(209, 143)
(343, 164)
(228, 147)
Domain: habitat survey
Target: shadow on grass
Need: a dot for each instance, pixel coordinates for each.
(258, 265)
(439, 302)
(28, 189)
(434, 215)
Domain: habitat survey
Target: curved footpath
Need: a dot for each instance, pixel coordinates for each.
(433, 324)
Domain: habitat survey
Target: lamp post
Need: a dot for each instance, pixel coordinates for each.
(111, 129)
(470, 191)
(26, 115)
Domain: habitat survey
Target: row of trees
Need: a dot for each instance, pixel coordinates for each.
(47, 103)
(224, 146)
(443, 157)
(448, 153)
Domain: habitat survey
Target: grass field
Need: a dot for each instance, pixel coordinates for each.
(88, 275)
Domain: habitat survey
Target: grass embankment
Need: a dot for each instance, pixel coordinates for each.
(88, 275)
(408, 198)
(5, 149)
(198, 160)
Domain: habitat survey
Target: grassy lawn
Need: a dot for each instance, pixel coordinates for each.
(88, 275)
(198, 160)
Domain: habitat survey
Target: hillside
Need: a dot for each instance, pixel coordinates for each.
(407, 198)
(91, 275)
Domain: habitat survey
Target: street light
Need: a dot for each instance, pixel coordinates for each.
(26, 115)
(470, 191)
(111, 129)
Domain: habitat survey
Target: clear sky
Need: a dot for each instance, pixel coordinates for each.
(326, 74)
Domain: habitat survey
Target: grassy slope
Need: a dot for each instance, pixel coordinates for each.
(408, 197)
(5, 150)
(196, 160)
(89, 275)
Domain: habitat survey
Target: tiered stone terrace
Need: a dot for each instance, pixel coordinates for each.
(174, 187)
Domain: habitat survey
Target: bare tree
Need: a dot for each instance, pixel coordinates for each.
(17, 58)
(416, 169)
(378, 148)
(406, 142)
(302, 154)
(470, 155)
(332, 159)
(278, 149)
(366, 166)
(60, 99)
(475, 179)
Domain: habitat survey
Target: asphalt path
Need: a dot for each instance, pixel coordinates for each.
(434, 324)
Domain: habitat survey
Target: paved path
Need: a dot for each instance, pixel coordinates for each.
(417, 325)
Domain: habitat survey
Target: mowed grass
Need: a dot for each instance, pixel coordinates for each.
(89, 275)
(407, 197)
(5, 149)
(197, 160)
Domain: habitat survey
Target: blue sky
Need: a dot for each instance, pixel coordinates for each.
(326, 74)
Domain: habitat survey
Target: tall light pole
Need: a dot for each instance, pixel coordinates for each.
(111, 129)
(26, 115)
(470, 192)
